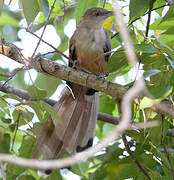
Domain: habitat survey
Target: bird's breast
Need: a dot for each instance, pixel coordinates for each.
(89, 49)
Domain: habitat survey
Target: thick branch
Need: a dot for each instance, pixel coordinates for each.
(25, 96)
(90, 81)
(62, 72)
(66, 73)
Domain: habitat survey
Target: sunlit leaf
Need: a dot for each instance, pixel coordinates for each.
(36, 93)
(151, 72)
(108, 23)
(30, 9)
(117, 60)
(50, 109)
(160, 95)
(148, 102)
(146, 48)
(83, 6)
(141, 7)
(162, 26)
(7, 19)
(164, 47)
(169, 14)
(27, 146)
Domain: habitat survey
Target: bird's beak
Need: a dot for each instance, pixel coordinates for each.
(109, 13)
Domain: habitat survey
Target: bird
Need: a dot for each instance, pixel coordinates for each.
(78, 107)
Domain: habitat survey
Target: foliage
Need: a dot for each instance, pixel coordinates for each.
(151, 147)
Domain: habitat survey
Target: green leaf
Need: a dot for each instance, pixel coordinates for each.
(170, 61)
(107, 104)
(6, 120)
(40, 112)
(3, 104)
(12, 127)
(54, 175)
(14, 170)
(159, 3)
(146, 48)
(117, 61)
(26, 115)
(162, 26)
(30, 9)
(4, 142)
(82, 7)
(40, 2)
(26, 177)
(23, 114)
(148, 102)
(151, 72)
(50, 110)
(169, 31)
(137, 8)
(26, 147)
(45, 8)
(160, 93)
(12, 96)
(169, 14)
(1, 5)
(36, 93)
(164, 47)
(49, 84)
(80, 169)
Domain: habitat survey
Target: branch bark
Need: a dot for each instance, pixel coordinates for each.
(84, 79)
(66, 73)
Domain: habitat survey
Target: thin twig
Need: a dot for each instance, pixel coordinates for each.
(65, 162)
(165, 149)
(162, 129)
(145, 120)
(52, 7)
(13, 73)
(139, 165)
(5, 75)
(123, 125)
(104, 3)
(56, 50)
(148, 20)
(141, 17)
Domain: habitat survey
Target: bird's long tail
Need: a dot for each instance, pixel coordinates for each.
(76, 130)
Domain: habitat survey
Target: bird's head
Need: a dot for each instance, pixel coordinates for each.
(96, 16)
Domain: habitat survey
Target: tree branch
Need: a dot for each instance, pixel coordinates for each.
(142, 169)
(149, 17)
(91, 81)
(141, 17)
(101, 116)
(69, 74)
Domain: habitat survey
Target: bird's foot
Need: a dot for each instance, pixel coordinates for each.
(101, 76)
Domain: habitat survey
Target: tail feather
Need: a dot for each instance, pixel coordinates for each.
(78, 117)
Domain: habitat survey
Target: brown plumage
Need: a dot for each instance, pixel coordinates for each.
(79, 114)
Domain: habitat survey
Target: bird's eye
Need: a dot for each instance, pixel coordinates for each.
(96, 13)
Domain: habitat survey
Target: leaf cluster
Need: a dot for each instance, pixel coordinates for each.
(21, 121)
